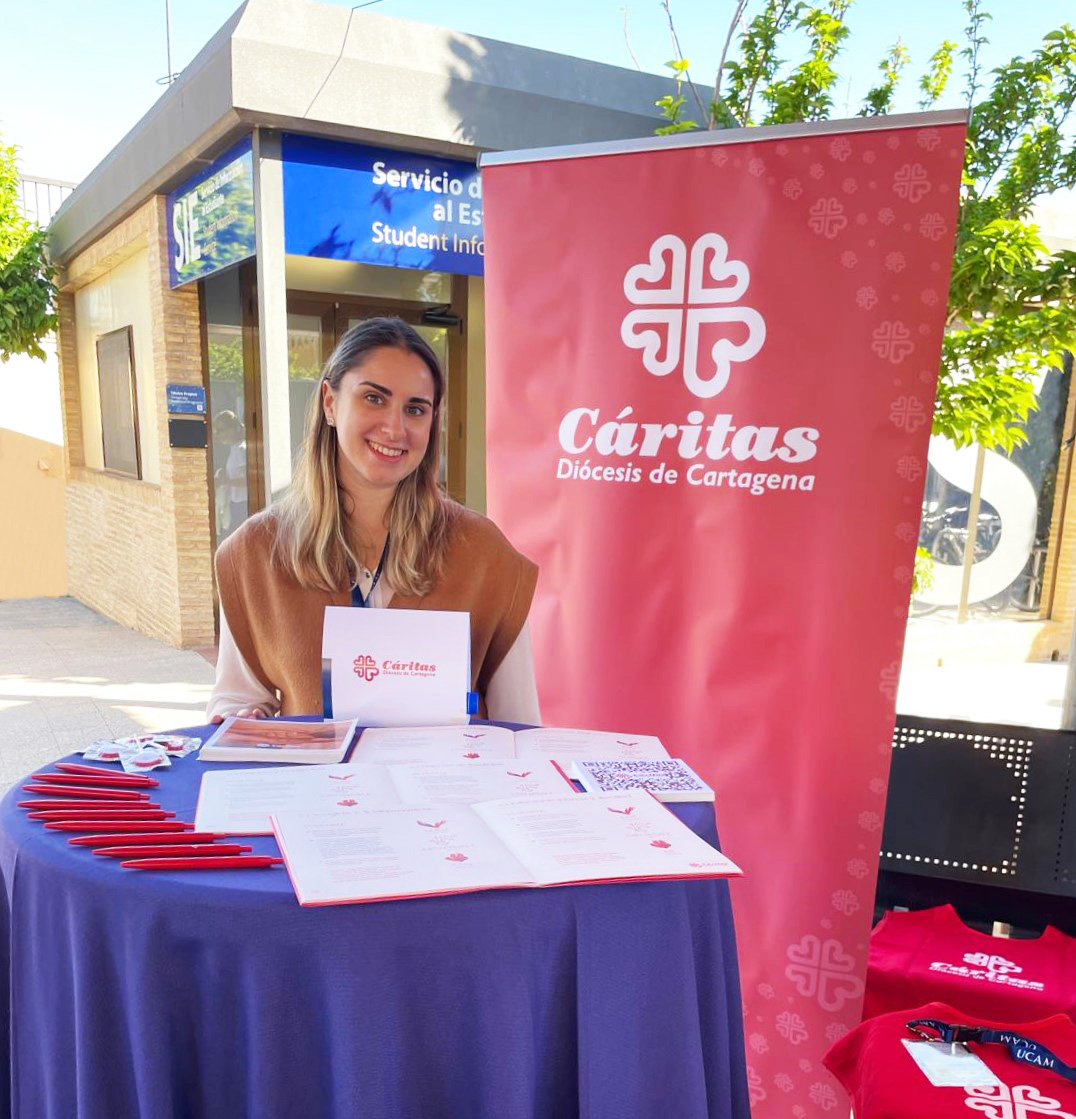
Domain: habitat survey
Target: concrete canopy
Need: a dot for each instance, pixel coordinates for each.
(308, 67)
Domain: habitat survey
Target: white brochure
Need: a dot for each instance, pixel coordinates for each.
(563, 745)
(338, 858)
(397, 667)
(240, 801)
(467, 782)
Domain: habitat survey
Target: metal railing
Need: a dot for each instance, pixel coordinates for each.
(41, 198)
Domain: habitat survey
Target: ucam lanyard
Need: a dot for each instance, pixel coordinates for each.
(1020, 1048)
(357, 597)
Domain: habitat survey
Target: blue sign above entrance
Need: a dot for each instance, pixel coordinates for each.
(378, 206)
(211, 217)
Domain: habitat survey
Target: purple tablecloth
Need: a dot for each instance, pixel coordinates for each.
(213, 994)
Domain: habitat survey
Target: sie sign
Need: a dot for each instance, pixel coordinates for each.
(211, 217)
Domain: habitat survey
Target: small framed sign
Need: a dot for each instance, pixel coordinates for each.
(185, 400)
(187, 433)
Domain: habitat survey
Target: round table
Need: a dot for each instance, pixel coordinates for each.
(214, 994)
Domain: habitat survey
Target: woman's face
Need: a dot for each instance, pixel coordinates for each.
(383, 413)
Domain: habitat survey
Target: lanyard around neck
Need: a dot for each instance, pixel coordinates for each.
(357, 597)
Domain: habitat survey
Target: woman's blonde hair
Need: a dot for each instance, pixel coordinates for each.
(311, 542)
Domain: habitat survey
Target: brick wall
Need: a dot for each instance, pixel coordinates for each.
(140, 552)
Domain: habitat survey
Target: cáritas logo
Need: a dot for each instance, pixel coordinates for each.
(678, 293)
(366, 667)
(687, 315)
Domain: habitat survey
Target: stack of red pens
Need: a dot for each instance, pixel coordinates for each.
(113, 815)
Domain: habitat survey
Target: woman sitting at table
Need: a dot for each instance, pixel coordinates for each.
(365, 523)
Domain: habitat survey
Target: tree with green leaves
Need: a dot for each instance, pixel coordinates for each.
(1012, 311)
(27, 291)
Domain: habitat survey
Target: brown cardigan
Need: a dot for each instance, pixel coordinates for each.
(277, 623)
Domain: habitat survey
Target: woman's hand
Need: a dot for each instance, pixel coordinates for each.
(247, 713)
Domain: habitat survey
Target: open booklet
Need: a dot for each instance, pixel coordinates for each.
(240, 801)
(344, 857)
(390, 745)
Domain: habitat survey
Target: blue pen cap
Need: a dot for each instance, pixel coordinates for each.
(472, 703)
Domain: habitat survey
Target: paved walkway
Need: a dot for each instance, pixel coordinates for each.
(68, 676)
(981, 671)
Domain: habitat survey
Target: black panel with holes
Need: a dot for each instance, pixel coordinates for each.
(983, 813)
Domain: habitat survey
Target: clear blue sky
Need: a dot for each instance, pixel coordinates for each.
(113, 51)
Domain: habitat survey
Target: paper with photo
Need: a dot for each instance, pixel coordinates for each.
(279, 740)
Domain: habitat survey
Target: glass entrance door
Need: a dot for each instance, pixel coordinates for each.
(316, 324)
(311, 338)
(230, 338)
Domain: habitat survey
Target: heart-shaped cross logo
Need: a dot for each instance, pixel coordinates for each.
(676, 294)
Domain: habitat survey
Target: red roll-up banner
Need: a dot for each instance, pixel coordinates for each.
(711, 363)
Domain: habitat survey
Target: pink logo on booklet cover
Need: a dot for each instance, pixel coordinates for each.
(365, 667)
(456, 857)
(347, 803)
(660, 843)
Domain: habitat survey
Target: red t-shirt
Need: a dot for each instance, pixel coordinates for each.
(885, 1082)
(931, 954)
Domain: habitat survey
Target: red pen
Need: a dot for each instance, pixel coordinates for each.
(239, 862)
(84, 793)
(92, 806)
(101, 814)
(176, 850)
(117, 825)
(152, 839)
(97, 771)
(120, 780)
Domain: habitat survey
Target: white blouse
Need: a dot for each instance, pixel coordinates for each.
(512, 696)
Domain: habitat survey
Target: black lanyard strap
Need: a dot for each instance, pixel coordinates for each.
(1020, 1048)
(357, 597)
